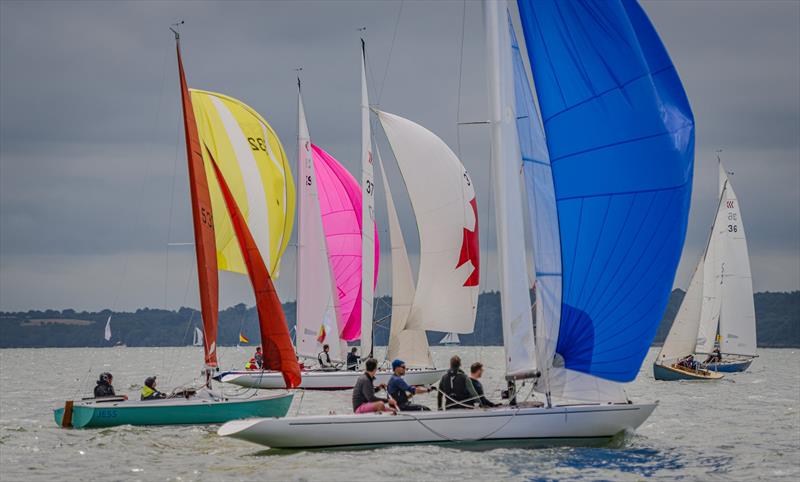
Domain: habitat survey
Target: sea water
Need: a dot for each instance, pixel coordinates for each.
(744, 427)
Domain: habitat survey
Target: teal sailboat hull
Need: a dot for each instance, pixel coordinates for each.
(181, 411)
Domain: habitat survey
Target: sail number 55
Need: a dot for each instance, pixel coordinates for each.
(207, 217)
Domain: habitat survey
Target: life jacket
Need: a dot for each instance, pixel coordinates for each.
(147, 392)
(251, 365)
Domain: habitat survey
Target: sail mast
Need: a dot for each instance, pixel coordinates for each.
(367, 216)
(506, 168)
(203, 220)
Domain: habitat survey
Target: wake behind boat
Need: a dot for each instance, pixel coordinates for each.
(620, 177)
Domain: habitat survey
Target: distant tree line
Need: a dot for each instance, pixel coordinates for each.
(777, 315)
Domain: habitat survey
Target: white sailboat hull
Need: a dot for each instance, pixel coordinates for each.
(325, 380)
(556, 425)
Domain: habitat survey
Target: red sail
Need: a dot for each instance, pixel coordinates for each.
(275, 341)
(205, 243)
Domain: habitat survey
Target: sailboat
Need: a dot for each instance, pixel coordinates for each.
(717, 312)
(450, 339)
(107, 332)
(197, 340)
(329, 306)
(608, 194)
(202, 404)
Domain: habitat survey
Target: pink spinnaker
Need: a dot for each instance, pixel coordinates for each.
(340, 206)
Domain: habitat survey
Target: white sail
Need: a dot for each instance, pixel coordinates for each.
(444, 203)
(316, 314)
(506, 176)
(712, 281)
(107, 334)
(450, 339)
(198, 337)
(409, 345)
(367, 216)
(737, 321)
(682, 336)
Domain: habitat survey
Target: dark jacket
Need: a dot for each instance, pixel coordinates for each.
(364, 391)
(455, 384)
(103, 389)
(352, 361)
(478, 386)
(399, 390)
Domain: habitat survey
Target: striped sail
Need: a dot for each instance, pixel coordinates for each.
(251, 157)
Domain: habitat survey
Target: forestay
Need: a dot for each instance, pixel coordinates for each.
(445, 207)
(620, 135)
(316, 314)
(254, 164)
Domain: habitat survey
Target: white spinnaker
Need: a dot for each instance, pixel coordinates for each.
(682, 336)
(315, 302)
(506, 176)
(107, 334)
(443, 197)
(367, 216)
(409, 345)
(737, 323)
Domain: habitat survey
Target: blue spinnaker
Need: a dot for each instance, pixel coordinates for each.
(620, 135)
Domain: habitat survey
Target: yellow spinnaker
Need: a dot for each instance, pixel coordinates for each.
(252, 160)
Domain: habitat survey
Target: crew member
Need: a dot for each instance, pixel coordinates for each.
(399, 390)
(149, 391)
(353, 359)
(364, 399)
(104, 387)
(455, 389)
(475, 373)
(324, 358)
(259, 357)
(251, 364)
(714, 357)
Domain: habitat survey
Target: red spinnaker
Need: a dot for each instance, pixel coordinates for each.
(203, 217)
(275, 341)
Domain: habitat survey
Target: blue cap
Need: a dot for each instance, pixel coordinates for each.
(397, 363)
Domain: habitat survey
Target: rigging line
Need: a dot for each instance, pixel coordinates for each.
(391, 49)
(460, 78)
(169, 218)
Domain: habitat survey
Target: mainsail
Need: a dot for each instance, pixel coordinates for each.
(203, 220)
(254, 164)
(515, 301)
(316, 310)
(107, 333)
(620, 136)
(367, 214)
(446, 211)
(728, 311)
(340, 206)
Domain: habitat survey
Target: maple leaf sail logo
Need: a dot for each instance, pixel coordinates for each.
(470, 249)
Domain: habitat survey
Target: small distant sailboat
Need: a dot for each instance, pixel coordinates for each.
(450, 339)
(201, 404)
(613, 176)
(717, 312)
(198, 337)
(107, 334)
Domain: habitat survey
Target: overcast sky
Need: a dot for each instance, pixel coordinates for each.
(93, 182)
